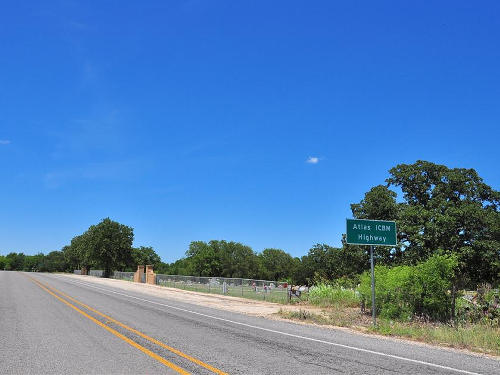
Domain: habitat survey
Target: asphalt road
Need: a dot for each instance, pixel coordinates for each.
(52, 324)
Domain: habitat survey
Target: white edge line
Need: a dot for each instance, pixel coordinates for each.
(280, 332)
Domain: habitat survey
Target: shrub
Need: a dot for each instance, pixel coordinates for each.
(406, 291)
(431, 284)
(391, 288)
(330, 295)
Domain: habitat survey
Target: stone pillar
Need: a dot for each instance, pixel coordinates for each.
(84, 271)
(150, 275)
(138, 274)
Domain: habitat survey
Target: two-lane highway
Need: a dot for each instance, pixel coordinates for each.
(53, 324)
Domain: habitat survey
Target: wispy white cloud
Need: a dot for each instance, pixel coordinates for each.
(312, 160)
(4, 142)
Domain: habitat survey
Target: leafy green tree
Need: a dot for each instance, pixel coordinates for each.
(71, 256)
(78, 253)
(163, 268)
(237, 260)
(350, 261)
(180, 267)
(53, 262)
(378, 204)
(110, 245)
(145, 255)
(204, 258)
(324, 263)
(14, 261)
(315, 265)
(276, 264)
(33, 262)
(220, 258)
(452, 210)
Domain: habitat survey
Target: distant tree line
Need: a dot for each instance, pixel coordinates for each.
(442, 211)
(52, 262)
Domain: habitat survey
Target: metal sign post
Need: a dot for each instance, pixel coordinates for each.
(374, 315)
(371, 232)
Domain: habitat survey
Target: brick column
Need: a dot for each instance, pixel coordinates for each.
(138, 274)
(150, 275)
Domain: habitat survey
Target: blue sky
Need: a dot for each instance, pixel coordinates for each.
(194, 120)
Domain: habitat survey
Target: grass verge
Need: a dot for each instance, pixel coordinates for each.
(475, 337)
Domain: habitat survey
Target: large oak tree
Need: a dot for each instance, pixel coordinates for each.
(442, 210)
(110, 245)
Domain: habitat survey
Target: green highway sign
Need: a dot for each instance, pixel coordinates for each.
(371, 232)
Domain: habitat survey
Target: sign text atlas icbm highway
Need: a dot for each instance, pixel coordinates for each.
(371, 232)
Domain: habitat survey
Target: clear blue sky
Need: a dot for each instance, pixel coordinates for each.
(194, 120)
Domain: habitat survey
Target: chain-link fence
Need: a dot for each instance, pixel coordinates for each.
(129, 276)
(266, 290)
(115, 274)
(96, 273)
(248, 288)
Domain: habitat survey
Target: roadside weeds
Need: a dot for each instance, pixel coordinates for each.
(477, 338)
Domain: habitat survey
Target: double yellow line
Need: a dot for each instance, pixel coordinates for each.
(53, 291)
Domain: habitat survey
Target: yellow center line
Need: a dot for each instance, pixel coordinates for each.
(116, 333)
(143, 335)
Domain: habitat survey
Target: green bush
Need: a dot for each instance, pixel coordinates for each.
(330, 295)
(391, 288)
(403, 292)
(432, 283)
